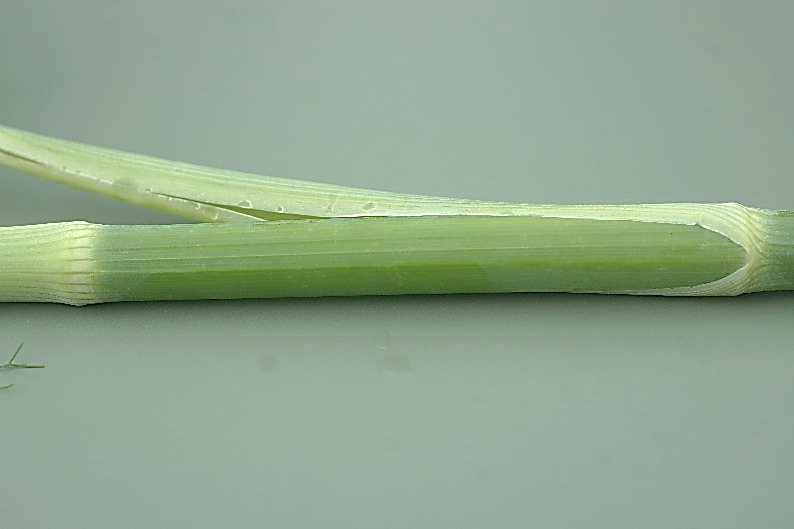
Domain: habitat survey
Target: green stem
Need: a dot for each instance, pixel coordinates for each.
(399, 244)
(81, 263)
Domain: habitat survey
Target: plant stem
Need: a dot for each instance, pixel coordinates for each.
(398, 244)
(80, 263)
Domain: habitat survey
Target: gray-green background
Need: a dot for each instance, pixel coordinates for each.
(459, 411)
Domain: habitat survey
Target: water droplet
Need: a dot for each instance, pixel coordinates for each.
(280, 209)
(245, 204)
(331, 203)
(125, 185)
